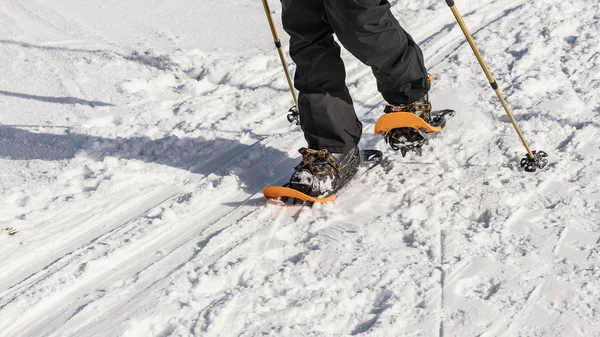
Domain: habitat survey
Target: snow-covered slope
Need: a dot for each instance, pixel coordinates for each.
(136, 137)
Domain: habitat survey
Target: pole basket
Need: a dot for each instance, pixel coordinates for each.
(538, 161)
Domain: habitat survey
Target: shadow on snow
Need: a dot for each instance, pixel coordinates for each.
(56, 100)
(254, 164)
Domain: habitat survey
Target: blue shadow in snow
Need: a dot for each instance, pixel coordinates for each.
(254, 165)
(56, 100)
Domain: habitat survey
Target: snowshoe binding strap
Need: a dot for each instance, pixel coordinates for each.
(318, 161)
(413, 108)
(421, 107)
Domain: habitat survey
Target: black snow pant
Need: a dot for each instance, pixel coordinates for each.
(370, 32)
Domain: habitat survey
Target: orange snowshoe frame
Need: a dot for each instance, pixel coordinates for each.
(279, 192)
(397, 120)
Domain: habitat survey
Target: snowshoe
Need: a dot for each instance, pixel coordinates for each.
(321, 175)
(407, 127)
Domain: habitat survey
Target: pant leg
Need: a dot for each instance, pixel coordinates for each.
(327, 113)
(372, 34)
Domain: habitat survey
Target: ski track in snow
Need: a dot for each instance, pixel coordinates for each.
(132, 174)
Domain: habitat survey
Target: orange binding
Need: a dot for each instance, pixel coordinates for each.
(278, 192)
(397, 120)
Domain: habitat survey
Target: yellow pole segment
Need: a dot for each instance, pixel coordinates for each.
(280, 51)
(489, 75)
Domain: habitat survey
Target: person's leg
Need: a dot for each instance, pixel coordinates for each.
(327, 114)
(370, 32)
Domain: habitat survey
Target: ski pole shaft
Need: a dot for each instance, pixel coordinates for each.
(488, 73)
(280, 51)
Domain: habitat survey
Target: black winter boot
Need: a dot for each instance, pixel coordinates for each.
(321, 173)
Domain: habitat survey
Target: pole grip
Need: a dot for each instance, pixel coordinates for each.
(450, 2)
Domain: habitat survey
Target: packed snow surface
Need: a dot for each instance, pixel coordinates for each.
(136, 137)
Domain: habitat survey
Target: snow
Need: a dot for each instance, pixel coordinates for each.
(136, 137)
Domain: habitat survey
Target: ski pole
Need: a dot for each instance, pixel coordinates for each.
(294, 116)
(534, 159)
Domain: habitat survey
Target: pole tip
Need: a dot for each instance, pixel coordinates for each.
(294, 116)
(538, 161)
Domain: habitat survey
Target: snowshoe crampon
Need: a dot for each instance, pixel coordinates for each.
(405, 131)
(368, 160)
